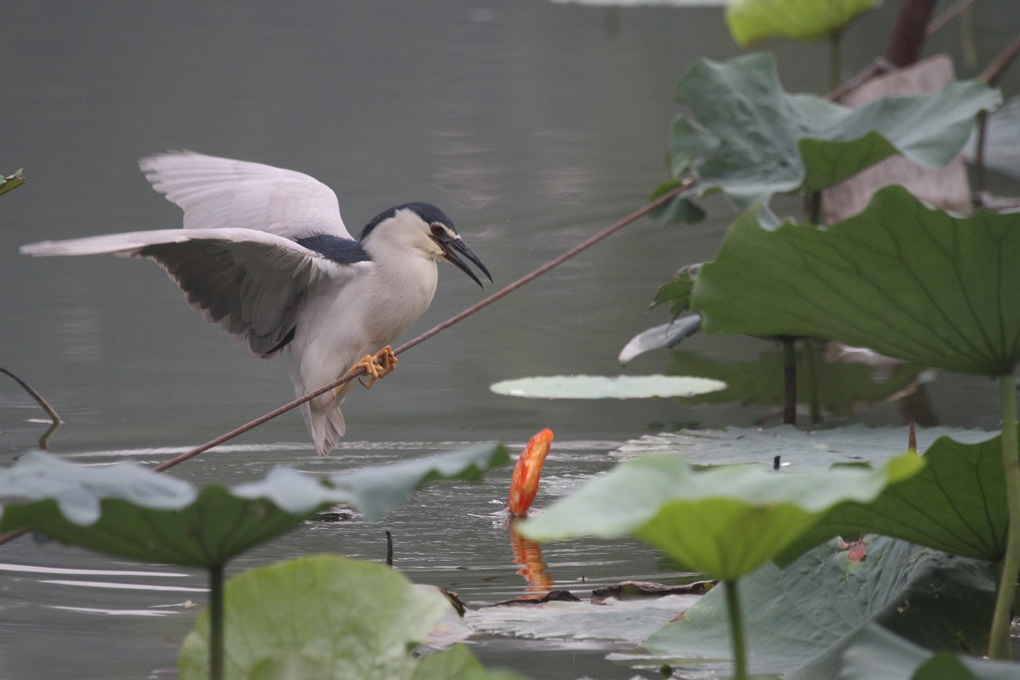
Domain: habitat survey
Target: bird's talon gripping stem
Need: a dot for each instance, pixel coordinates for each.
(379, 366)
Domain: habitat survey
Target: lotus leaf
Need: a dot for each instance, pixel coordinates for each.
(317, 618)
(751, 139)
(957, 504)
(130, 511)
(877, 654)
(804, 616)
(904, 279)
(601, 387)
(723, 522)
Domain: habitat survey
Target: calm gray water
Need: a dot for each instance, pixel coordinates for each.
(530, 124)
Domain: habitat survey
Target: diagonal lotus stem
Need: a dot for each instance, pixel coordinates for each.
(999, 646)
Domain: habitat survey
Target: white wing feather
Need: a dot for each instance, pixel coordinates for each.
(218, 193)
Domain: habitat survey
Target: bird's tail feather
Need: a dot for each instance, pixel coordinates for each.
(327, 426)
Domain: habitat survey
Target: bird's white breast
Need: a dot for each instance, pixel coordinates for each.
(342, 321)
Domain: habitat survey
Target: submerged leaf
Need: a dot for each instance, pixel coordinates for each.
(752, 20)
(906, 280)
(804, 616)
(600, 387)
(877, 654)
(317, 618)
(751, 139)
(614, 620)
(723, 522)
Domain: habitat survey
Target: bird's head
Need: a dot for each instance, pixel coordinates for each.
(425, 227)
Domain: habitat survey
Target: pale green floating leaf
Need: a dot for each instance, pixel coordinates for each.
(604, 387)
(723, 522)
(317, 618)
(904, 279)
(800, 450)
(752, 20)
(628, 621)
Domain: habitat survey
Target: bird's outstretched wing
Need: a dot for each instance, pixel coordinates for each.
(218, 193)
(249, 282)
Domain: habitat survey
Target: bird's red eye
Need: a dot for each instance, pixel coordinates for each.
(438, 230)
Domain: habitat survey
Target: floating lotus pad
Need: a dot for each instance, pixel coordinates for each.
(606, 387)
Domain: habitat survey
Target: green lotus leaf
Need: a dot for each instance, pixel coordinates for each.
(677, 291)
(800, 619)
(723, 522)
(751, 139)
(904, 279)
(129, 511)
(317, 618)
(605, 387)
(956, 504)
(877, 654)
(752, 20)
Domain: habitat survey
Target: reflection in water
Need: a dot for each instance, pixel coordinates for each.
(528, 554)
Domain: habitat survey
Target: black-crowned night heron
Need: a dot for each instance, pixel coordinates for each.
(264, 253)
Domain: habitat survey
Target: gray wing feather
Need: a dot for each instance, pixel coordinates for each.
(250, 283)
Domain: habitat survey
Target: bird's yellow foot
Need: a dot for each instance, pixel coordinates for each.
(378, 366)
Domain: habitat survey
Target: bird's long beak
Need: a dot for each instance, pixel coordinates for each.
(452, 246)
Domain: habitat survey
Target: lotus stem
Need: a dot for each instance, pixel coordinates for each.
(54, 418)
(813, 361)
(736, 629)
(999, 646)
(216, 622)
(836, 59)
(789, 380)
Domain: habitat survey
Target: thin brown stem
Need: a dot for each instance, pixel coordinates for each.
(939, 22)
(50, 411)
(994, 71)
